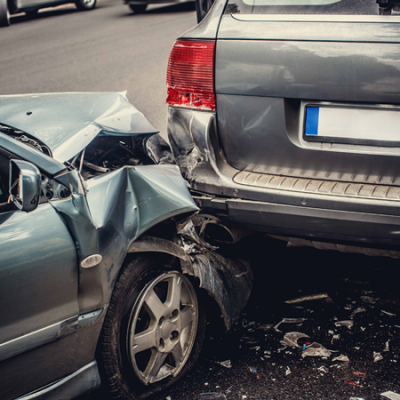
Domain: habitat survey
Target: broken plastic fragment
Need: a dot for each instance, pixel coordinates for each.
(357, 311)
(319, 296)
(226, 364)
(253, 370)
(388, 313)
(289, 321)
(288, 371)
(291, 338)
(387, 346)
(316, 350)
(356, 398)
(212, 396)
(368, 299)
(377, 357)
(391, 395)
(323, 369)
(357, 373)
(342, 358)
(349, 324)
(265, 327)
(354, 384)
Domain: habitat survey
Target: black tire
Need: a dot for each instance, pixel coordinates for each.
(138, 8)
(4, 13)
(85, 5)
(137, 277)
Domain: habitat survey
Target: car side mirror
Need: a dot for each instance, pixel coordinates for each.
(25, 183)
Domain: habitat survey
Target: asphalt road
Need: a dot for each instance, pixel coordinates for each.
(106, 49)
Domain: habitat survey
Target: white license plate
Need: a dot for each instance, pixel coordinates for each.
(352, 124)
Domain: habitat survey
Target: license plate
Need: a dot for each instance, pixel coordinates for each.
(352, 125)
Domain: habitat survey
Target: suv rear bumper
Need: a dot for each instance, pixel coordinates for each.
(358, 216)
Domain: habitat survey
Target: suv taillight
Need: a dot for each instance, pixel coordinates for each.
(190, 74)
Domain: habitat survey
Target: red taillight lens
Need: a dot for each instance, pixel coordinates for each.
(190, 74)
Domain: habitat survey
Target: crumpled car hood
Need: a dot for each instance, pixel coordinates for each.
(68, 122)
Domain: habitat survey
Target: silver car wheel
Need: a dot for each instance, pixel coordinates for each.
(161, 333)
(88, 3)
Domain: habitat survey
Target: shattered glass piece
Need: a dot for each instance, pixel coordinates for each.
(341, 358)
(391, 395)
(377, 357)
(319, 296)
(349, 324)
(226, 364)
(253, 370)
(316, 350)
(291, 338)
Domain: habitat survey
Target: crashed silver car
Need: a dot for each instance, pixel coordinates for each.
(104, 278)
(283, 116)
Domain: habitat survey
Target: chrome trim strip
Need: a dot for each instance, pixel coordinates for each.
(386, 19)
(47, 335)
(85, 379)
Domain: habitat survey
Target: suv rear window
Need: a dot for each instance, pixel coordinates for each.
(329, 7)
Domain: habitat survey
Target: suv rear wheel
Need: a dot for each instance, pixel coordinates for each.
(84, 5)
(153, 331)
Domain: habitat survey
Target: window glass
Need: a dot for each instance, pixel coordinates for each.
(329, 7)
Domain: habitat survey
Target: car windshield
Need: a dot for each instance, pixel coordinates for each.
(328, 7)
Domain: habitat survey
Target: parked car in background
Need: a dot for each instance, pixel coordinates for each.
(284, 116)
(103, 279)
(30, 7)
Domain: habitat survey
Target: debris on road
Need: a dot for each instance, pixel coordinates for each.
(368, 299)
(391, 395)
(288, 371)
(323, 369)
(212, 396)
(253, 370)
(316, 350)
(357, 373)
(387, 346)
(349, 324)
(388, 313)
(226, 364)
(342, 358)
(354, 384)
(291, 339)
(289, 321)
(357, 311)
(319, 296)
(377, 357)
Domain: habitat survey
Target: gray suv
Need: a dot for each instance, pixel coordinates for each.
(284, 116)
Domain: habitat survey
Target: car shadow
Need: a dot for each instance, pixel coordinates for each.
(44, 14)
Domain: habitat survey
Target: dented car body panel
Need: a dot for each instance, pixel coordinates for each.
(67, 122)
(99, 194)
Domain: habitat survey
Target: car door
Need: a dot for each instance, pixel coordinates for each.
(38, 299)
